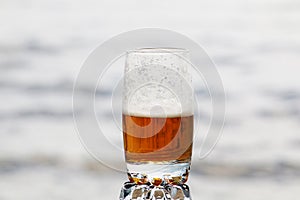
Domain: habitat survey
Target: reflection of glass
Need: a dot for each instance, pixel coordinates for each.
(157, 123)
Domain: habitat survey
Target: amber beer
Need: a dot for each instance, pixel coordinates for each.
(157, 139)
(157, 107)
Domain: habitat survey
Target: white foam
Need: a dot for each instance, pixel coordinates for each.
(159, 80)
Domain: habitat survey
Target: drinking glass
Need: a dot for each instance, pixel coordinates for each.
(157, 121)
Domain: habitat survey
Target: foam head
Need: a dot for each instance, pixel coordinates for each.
(157, 83)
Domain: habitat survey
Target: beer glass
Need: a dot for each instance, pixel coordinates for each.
(157, 121)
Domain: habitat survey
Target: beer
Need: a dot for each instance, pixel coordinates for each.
(158, 139)
(157, 107)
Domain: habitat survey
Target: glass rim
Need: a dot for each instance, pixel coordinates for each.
(154, 50)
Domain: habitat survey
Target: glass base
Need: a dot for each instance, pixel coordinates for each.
(156, 173)
(133, 191)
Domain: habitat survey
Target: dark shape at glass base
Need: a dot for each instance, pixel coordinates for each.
(133, 191)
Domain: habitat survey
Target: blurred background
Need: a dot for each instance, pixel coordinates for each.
(254, 44)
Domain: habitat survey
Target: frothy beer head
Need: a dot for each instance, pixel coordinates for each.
(157, 83)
